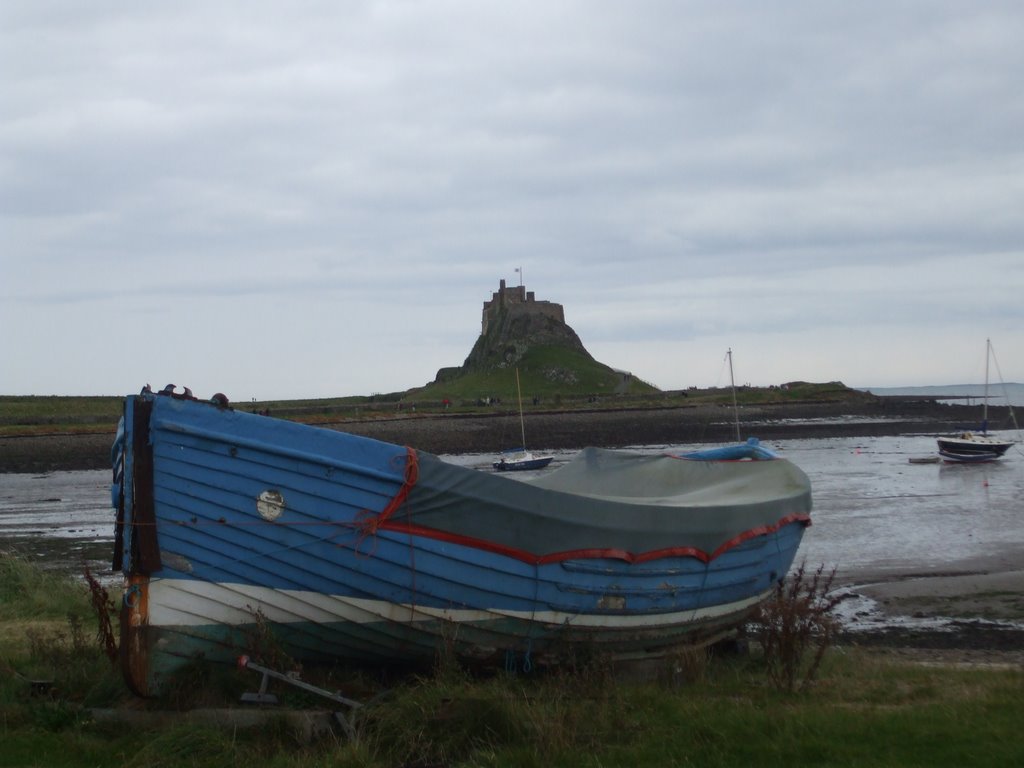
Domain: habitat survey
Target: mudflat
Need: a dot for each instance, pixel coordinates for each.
(492, 431)
(973, 615)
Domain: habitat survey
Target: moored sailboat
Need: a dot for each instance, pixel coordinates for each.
(514, 459)
(980, 446)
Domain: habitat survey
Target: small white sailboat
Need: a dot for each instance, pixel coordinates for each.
(973, 447)
(519, 458)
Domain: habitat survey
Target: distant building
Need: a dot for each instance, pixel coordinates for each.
(517, 299)
(512, 323)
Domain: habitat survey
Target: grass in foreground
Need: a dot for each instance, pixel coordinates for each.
(722, 711)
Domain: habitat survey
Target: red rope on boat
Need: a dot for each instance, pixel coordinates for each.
(412, 474)
(367, 523)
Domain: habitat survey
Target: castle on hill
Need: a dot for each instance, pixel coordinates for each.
(513, 324)
(518, 300)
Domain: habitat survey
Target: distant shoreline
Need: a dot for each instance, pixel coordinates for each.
(1000, 393)
(546, 430)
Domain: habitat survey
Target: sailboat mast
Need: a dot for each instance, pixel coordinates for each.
(984, 407)
(735, 407)
(522, 424)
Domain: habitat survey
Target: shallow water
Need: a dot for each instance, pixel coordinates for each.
(873, 510)
(61, 520)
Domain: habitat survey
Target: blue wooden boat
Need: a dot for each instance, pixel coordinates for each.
(230, 524)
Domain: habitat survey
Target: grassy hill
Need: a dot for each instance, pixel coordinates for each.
(545, 373)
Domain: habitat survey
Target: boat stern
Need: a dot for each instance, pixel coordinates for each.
(134, 647)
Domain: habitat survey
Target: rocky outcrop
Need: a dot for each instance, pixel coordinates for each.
(513, 329)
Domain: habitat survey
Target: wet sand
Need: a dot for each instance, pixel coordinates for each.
(986, 593)
(967, 617)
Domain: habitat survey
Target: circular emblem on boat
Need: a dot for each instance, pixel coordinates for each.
(270, 505)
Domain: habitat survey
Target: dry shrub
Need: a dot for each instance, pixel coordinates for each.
(105, 611)
(262, 645)
(795, 627)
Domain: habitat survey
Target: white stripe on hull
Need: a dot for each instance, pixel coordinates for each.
(183, 602)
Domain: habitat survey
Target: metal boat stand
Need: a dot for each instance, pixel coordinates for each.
(262, 697)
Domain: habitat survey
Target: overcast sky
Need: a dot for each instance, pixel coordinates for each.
(314, 199)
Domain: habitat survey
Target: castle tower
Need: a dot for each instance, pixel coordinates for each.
(517, 299)
(512, 323)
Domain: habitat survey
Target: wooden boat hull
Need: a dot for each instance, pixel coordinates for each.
(217, 621)
(235, 531)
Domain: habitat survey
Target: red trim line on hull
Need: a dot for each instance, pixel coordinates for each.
(589, 554)
(370, 524)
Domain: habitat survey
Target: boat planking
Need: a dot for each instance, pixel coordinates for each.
(345, 548)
